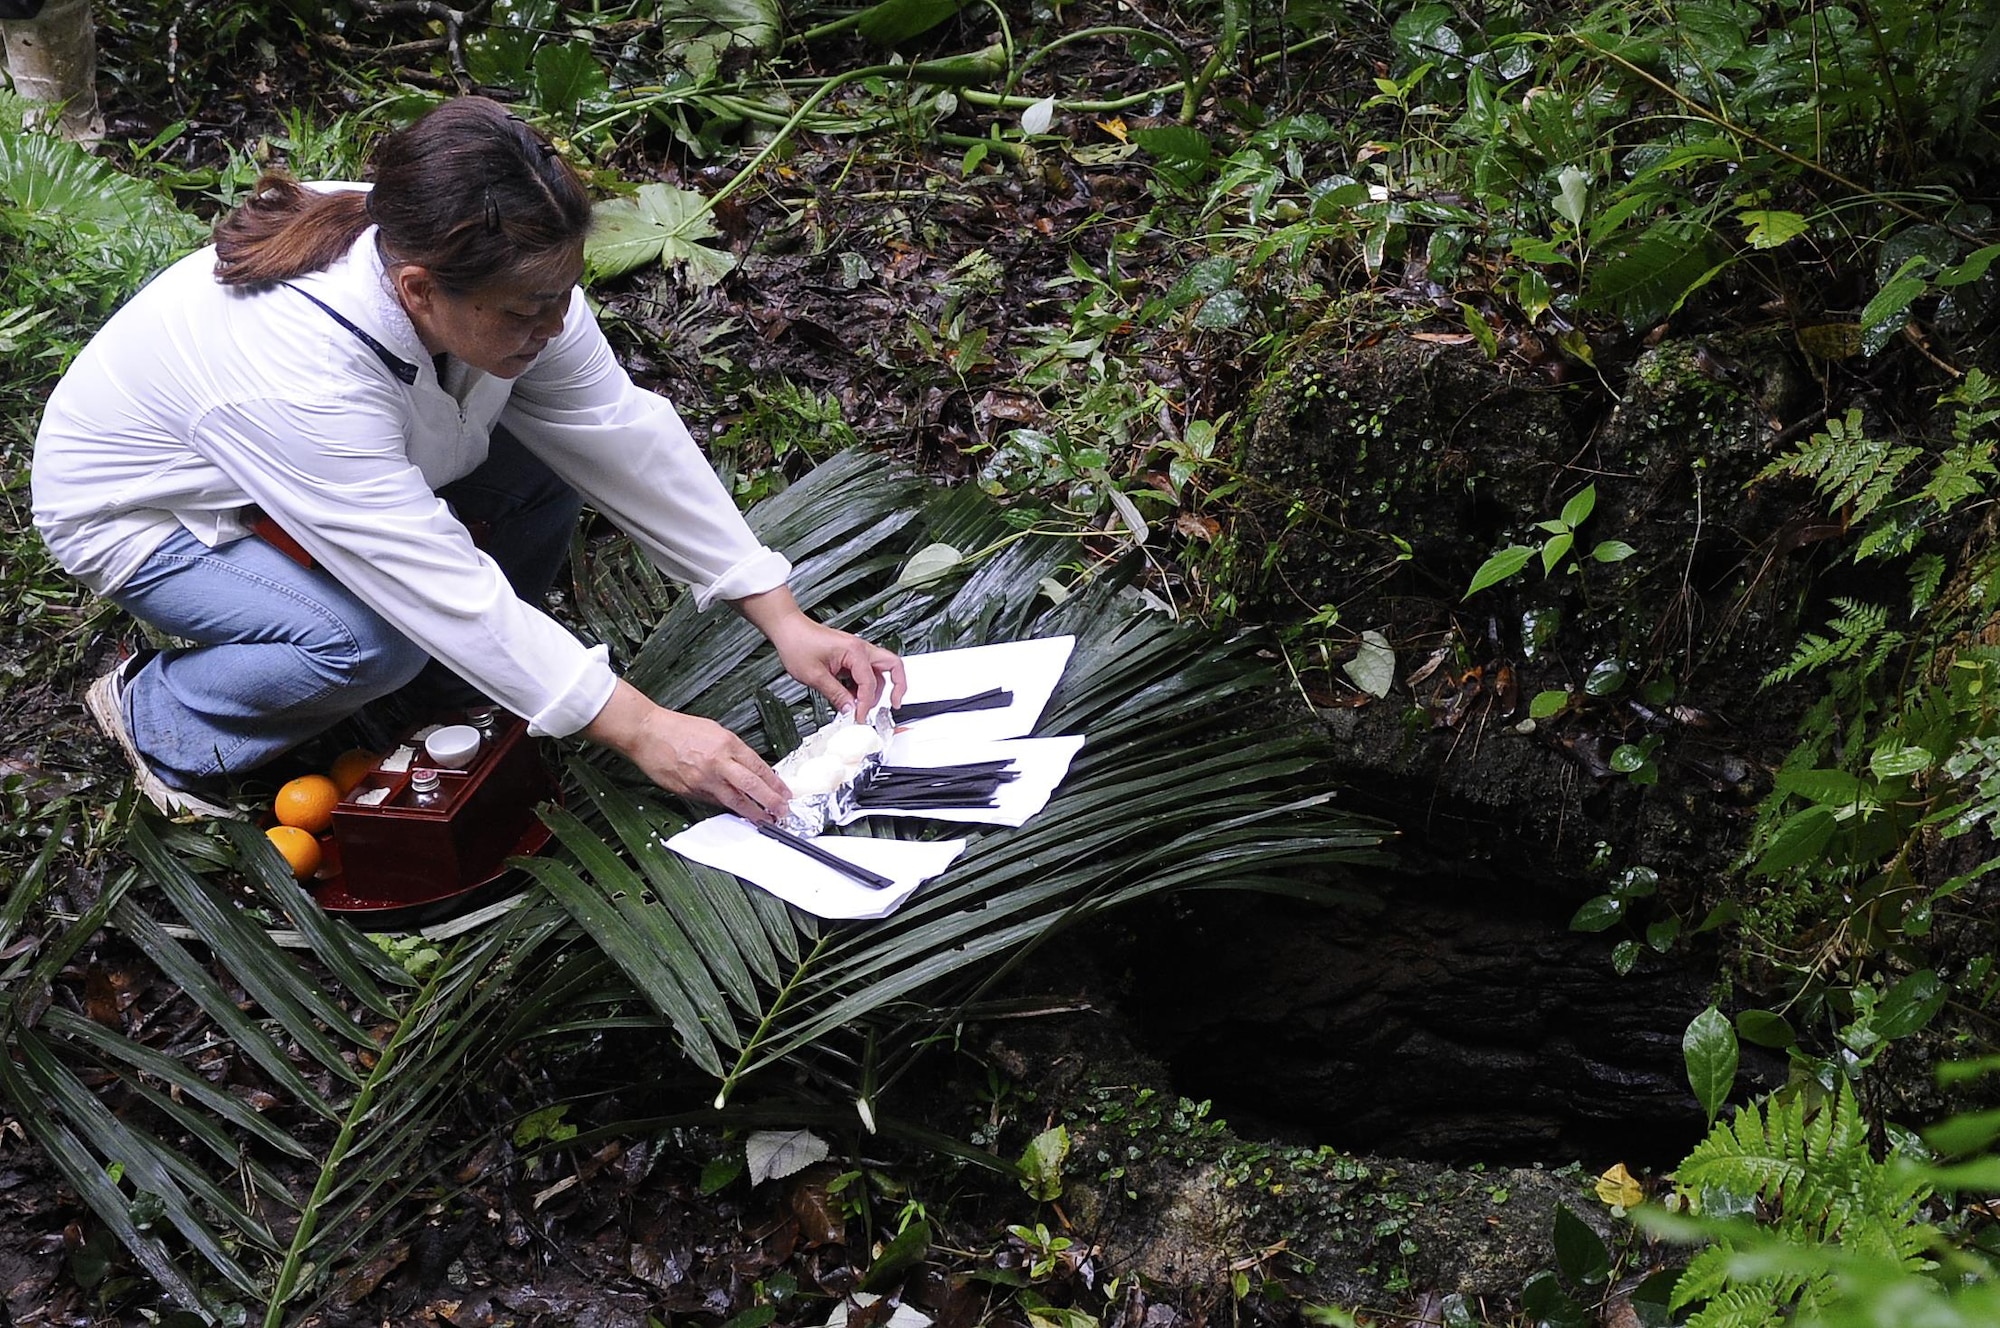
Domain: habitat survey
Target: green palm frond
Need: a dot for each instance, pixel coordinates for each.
(1179, 786)
(363, 1057)
(1173, 790)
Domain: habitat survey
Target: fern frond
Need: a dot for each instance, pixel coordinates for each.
(1810, 1169)
(1847, 467)
(1859, 629)
(1756, 1305)
(1959, 475)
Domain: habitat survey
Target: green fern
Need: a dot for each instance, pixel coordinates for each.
(1860, 632)
(1808, 1171)
(1848, 468)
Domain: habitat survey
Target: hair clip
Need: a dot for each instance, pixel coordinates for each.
(492, 211)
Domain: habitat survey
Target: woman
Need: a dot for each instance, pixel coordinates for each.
(279, 450)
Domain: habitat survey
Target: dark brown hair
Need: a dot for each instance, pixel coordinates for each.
(471, 192)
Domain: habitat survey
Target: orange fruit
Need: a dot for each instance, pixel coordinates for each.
(299, 848)
(350, 768)
(306, 802)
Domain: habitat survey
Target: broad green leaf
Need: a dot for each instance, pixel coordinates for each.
(1042, 1164)
(1910, 1004)
(1765, 1028)
(898, 1258)
(1767, 229)
(928, 564)
(1222, 310)
(567, 77)
(1971, 268)
(1578, 509)
(1482, 331)
(1553, 550)
(659, 223)
(1883, 316)
(776, 1154)
(698, 33)
(1899, 762)
(1598, 913)
(1547, 703)
(1548, 1304)
(1612, 551)
(1499, 567)
(1605, 678)
(1373, 668)
(1627, 757)
(893, 22)
(1572, 194)
(1581, 1254)
(1709, 1048)
(1799, 838)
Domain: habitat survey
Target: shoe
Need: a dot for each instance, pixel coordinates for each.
(106, 702)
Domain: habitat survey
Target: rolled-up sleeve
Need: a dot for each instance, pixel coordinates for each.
(366, 514)
(627, 452)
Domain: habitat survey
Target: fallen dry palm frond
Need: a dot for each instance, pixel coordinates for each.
(358, 1061)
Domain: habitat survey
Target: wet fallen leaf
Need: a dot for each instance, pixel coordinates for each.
(1506, 692)
(1428, 667)
(1831, 341)
(776, 1154)
(815, 1210)
(1620, 1187)
(1195, 526)
(662, 1268)
(362, 1281)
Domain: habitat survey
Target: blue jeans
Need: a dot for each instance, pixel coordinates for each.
(284, 652)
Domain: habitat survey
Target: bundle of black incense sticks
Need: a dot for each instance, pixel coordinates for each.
(851, 870)
(993, 698)
(928, 788)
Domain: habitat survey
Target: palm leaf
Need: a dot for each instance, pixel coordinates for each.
(1169, 792)
(1175, 789)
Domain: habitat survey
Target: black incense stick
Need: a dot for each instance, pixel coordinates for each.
(993, 698)
(826, 859)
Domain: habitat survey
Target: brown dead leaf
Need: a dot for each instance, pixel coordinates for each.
(361, 1281)
(1443, 338)
(815, 1210)
(107, 993)
(1196, 526)
(1007, 406)
(1506, 691)
(1428, 667)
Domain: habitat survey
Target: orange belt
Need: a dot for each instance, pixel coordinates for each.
(276, 536)
(280, 539)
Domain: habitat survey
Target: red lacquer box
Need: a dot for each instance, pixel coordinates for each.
(385, 856)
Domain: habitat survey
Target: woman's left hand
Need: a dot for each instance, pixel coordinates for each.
(839, 665)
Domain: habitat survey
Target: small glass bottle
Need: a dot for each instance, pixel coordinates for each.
(425, 789)
(487, 720)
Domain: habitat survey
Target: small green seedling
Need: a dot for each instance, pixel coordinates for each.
(1559, 546)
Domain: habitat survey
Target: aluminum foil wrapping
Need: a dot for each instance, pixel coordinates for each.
(823, 770)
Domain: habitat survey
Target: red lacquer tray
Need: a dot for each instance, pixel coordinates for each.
(392, 859)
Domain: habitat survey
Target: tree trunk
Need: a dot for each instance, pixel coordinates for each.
(52, 59)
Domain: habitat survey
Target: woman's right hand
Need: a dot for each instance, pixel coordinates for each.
(689, 755)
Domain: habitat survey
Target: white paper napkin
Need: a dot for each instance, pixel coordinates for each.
(732, 844)
(1028, 669)
(1041, 762)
